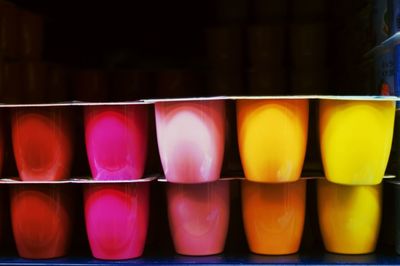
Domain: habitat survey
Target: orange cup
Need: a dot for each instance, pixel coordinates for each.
(272, 137)
(273, 216)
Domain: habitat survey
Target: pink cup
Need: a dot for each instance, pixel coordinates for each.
(42, 143)
(116, 218)
(116, 141)
(191, 136)
(198, 217)
(41, 219)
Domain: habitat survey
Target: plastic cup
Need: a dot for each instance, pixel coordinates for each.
(272, 138)
(273, 216)
(116, 141)
(198, 217)
(41, 217)
(349, 217)
(191, 138)
(116, 217)
(355, 138)
(42, 142)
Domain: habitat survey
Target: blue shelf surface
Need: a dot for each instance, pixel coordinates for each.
(247, 259)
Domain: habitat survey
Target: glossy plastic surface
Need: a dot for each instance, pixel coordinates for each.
(116, 217)
(191, 138)
(198, 217)
(355, 139)
(116, 141)
(42, 142)
(41, 217)
(273, 216)
(272, 138)
(349, 217)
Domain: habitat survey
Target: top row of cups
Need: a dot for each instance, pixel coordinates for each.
(355, 139)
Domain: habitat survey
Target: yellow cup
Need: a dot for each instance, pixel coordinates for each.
(349, 217)
(272, 137)
(355, 138)
(273, 216)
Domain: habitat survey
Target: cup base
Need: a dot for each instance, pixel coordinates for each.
(350, 252)
(38, 256)
(354, 183)
(273, 252)
(201, 253)
(116, 257)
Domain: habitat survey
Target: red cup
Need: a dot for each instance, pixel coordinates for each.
(41, 217)
(116, 141)
(116, 218)
(42, 143)
(198, 217)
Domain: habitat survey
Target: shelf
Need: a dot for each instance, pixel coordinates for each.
(319, 258)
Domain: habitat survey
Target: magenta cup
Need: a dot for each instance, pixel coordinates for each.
(191, 136)
(116, 218)
(198, 217)
(41, 218)
(42, 142)
(116, 141)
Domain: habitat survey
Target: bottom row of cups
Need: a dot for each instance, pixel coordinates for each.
(116, 217)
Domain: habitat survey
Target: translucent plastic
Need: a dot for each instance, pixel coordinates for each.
(355, 139)
(41, 217)
(116, 217)
(198, 217)
(272, 138)
(191, 138)
(116, 141)
(42, 142)
(273, 216)
(349, 217)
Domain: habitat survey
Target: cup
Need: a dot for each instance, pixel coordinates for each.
(116, 217)
(349, 217)
(41, 217)
(355, 138)
(273, 216)
(42, 142)
(116, 141)
(198, 217)
(191, 138)
(272, 138)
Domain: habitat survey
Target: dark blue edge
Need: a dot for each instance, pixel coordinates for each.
(316, 258)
